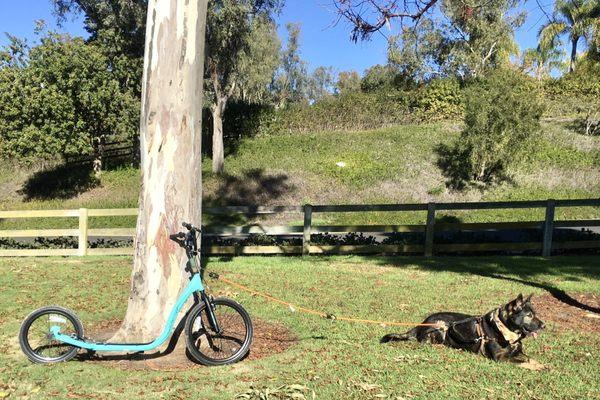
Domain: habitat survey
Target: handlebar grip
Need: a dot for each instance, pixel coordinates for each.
(190, 227)
(179, 235)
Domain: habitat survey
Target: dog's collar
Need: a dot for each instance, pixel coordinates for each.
(510, 336)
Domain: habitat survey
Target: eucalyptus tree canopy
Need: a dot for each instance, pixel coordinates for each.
(469, 38)
(232, 25)
(118, 24)
(348, 81)
(291, 81)
(321, 83)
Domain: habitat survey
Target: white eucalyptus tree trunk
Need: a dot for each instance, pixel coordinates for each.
(218, 152)
(170, 140)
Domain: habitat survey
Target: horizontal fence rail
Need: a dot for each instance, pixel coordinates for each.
(83, 233)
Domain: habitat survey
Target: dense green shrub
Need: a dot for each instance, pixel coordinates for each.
(62, 100)
(348, 111)
(502, 113)
(440, 99)
(352, 110)
(576, 94)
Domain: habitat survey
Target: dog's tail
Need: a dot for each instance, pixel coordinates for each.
(398, 337)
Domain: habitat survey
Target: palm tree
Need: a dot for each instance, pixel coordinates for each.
(541, 61)
(573, 18)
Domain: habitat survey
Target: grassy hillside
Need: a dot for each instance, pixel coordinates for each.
(392, 165)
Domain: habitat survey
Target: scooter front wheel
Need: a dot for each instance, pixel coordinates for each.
(38, 343)
(229, 345)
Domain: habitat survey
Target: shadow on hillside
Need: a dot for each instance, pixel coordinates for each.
(515, 269)
(253, 187)
(60, 182)
(65, 181)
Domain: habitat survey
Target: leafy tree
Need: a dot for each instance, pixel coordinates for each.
(291, 81)
(118, 28)
(118, 25)
(348, 81)
(64, 100)
(230, 26)
(594, 42)
(479, 36)
(503, 112)
(321, 83)
(418, 53)
(467, 38)
(378, 77)
(571, 18)
(257, 65)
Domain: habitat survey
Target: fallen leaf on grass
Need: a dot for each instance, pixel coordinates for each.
(533, 365)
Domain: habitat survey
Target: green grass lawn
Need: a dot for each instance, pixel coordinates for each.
(333, 359)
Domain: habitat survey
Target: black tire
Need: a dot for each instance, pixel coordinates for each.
(209, 348)
(34, 328)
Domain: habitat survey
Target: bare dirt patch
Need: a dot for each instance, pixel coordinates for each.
(564, 316)
(269, 339)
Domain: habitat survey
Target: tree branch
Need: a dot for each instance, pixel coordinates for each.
(357, 12)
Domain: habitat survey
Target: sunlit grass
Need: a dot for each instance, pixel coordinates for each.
(333, 359)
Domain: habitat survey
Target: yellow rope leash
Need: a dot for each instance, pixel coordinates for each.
(311, 311)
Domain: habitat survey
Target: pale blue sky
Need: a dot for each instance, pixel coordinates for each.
(322, 43)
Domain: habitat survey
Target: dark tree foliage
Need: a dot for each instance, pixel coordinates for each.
(118, 24)
(118, 28)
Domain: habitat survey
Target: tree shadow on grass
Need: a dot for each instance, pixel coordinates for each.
(515, 269)
(67, 180)
(59, 182)
(253, 187)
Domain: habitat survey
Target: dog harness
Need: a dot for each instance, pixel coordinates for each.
(482, 324)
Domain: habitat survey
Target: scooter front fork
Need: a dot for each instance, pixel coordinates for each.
(210, 312)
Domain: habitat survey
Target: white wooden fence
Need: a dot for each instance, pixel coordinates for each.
(428, 247)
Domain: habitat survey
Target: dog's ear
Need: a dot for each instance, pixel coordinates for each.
(517, 304)
(528, 299)
(519, 298)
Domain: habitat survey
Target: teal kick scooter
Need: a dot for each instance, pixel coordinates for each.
(218, 330)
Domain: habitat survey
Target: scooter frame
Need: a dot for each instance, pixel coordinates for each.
(194, 286)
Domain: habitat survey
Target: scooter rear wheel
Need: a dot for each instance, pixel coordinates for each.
(38, 343)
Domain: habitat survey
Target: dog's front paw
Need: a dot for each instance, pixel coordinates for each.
(520, 358)
(533, 365)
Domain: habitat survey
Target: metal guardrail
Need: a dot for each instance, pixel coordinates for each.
(308, 228)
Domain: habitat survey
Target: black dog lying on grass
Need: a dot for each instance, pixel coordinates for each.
(496, 334)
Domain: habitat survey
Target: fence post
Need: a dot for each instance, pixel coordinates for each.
(83, 232)
(548, 228)
(429, 230)
(307, 228)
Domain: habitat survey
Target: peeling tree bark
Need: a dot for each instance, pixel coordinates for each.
(170, 140)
